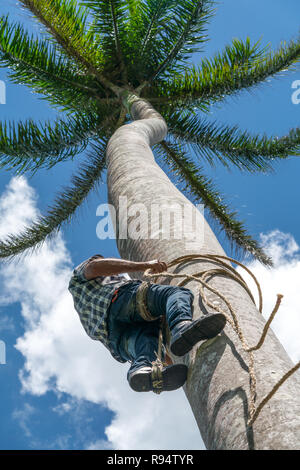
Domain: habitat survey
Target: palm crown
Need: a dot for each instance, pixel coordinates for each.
(98, 50)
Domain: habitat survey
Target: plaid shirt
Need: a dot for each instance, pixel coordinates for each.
(92, 299)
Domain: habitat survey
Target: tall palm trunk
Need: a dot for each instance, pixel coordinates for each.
(218, 382)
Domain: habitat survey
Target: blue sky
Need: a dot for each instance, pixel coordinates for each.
(57, 410)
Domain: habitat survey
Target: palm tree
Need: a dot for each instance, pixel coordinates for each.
(106, 63)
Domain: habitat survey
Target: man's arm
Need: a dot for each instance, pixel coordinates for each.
(109, 266)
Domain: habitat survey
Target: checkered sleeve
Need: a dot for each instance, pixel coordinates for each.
(79, 271)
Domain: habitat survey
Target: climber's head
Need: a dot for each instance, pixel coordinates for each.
(97, 256)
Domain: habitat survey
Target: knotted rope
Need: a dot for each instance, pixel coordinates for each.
(232, 319)
(158, 364)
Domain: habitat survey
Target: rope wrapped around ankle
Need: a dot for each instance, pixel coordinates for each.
(158, 364)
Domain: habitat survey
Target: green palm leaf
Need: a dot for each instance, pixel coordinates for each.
(143, 47)
(227, 73)
(36, 64)
(109, 22)
(67, 24)
(195, 185)
(149, 39)
(64, 207)
(171, 31)
(230, 145)
(102, 50)
(184, 33)
(29, 146)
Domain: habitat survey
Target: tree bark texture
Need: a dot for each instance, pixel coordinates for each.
(218, 381)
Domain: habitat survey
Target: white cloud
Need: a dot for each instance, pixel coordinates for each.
(17, 206)
(100, 445)
(59, 355)
(23, 416)
(282, 279)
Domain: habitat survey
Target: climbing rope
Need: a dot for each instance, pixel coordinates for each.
(158, 364)
(202, 278)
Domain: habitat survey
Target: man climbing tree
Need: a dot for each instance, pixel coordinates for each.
(109, 308)
(137, 100)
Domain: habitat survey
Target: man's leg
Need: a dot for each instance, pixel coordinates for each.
(176, 304)
(136, 340)
(173, 301)
(139, 344)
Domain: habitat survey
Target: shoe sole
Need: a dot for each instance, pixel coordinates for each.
(173, 378)
(203, 328)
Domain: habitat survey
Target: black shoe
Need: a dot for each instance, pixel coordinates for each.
(187, 333)
(172, 377)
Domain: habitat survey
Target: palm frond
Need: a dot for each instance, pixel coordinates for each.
(147, 30)
(63, 209)
(161, 35)
(110, 22)
(133, 6)
(28, 146)
(238, 67)
(67, 24)
(199, 187)
(184, 33)
(38, 65)
(230, 145)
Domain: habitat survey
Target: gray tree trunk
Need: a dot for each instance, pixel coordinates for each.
(218, 382)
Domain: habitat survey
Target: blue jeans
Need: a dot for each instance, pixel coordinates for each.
(132, 337)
